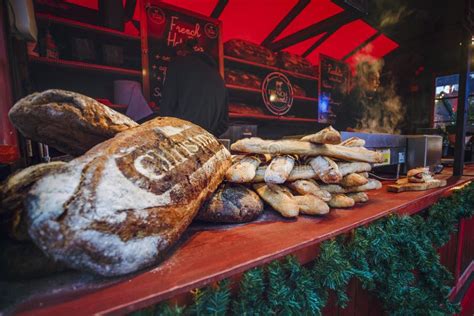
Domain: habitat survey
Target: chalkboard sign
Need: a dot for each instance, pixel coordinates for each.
(333, 86)
(163, 28)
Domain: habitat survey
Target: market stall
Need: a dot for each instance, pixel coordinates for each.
(111, 213)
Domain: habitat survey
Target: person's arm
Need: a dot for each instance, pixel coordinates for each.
(169, 94)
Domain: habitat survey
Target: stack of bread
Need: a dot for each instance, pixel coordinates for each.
(307, 176)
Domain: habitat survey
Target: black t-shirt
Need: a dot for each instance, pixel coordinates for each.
(195, 91)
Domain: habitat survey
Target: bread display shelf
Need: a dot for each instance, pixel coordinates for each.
(271, 68)
(272, 118)
(48, 18)
(258, 91)
(208, 254)
(83, 66)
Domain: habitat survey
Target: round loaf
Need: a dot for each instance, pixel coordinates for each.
(231, 203)
(68, 121)
(120, 207)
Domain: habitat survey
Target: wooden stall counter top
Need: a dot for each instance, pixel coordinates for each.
(212, 253)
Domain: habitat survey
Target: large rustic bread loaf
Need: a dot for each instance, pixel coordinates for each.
(119, 207)
(12, 194)
(68, 121)
(231, 203)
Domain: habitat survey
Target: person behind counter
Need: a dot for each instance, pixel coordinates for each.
(363, 103)
(195, 91)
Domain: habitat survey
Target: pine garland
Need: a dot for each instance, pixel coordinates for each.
(395, 258)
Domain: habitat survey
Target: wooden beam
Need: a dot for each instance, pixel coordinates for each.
(318, 42)
(285, 21)
(220, 6)
(326, 25)
(361, 45)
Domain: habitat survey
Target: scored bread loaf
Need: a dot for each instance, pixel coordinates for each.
(279, 169)
(231, 203)
(279, 198)
(243, 170)
(13, 191)
(68, 121)
(341, 201)
(123, 204)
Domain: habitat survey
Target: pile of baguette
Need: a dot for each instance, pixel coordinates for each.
(306, 176)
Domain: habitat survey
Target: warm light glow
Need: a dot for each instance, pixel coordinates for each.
(272, 97)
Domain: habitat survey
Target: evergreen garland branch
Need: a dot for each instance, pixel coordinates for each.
(395, 258)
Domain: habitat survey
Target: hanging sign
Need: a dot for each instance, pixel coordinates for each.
(277, 93)
(163, 28)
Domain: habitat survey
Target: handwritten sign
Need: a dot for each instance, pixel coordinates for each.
(333, 86)
(163, 29)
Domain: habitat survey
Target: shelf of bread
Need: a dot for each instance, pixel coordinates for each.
(83, 66)
(271, 68)
(48, 18)
(258, 91)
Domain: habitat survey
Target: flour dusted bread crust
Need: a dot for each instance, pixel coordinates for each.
(231, 203)
(119, 207)
(68, 121)
(12, 194)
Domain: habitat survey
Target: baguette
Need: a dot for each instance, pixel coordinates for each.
(359, 197)
(309, 186)
(326, 136)
(326, 169)
(279, 198)
(353, 180)
(279, 169)
(341, 201)
(243, 170)
(295, 147)
(311, 205)
(353, 142)
(353, 167)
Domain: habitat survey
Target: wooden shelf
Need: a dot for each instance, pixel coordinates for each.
(273, 68)
(265, 117)
(210, 253)
(48, 18)
(83, 66)
(258, 91)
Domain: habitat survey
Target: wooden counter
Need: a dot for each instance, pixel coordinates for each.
(212, 253)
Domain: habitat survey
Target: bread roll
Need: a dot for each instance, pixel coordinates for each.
(68, 121)
(123, 204)
(326, 169)
(231, 203)
(372, 184)
(279, 169)
(353, 180)
(243, 170)
(13, 191)
(341, 201)
(311, 205)
(325, 136)
(359, 197)
(298, 173)
(279, 198)
(304, 187)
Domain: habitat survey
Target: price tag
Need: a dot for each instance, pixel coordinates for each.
(386, 157)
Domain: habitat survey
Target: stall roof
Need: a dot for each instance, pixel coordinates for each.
(303, 27)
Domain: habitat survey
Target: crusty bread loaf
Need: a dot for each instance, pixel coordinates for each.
(68, 121)
(231, 203)
(12, 194)
(119, 207)
(325, 136)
